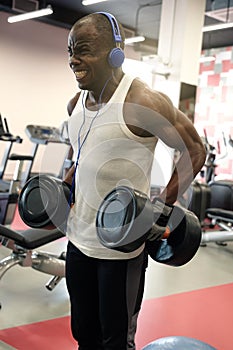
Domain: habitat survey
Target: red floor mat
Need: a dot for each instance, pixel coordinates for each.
(17, 223)
(204, 314)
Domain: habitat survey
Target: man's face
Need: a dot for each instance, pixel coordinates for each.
(88, 56)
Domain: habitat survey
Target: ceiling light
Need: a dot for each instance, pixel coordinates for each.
(29, 15)
(204, 59)
(217, 26)
(91, 2)
(134, 39)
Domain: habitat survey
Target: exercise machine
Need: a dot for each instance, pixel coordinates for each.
(24, 244)
(215, 154)
(212, 200)
(9, 189)
(8, 140)
(44, 135)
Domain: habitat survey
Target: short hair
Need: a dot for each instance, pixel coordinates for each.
(104, 27)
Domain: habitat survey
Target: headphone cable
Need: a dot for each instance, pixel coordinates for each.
(71, 199)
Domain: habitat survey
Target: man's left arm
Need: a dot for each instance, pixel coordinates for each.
(183, 137)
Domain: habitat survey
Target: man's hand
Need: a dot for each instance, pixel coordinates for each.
(68, 178)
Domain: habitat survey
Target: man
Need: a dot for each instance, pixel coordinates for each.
(114, 125)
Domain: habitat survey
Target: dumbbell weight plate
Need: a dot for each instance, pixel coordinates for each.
(182, 244)
(124, 219)
(43, 202)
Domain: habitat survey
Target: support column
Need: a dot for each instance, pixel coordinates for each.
(179, 47)
(179, 50)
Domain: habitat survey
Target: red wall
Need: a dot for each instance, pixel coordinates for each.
(214, 105)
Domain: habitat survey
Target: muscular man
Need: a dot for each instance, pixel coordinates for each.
(114, 125)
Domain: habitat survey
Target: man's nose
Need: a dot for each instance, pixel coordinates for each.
(74, 59)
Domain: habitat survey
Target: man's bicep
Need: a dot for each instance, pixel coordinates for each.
(182, 134)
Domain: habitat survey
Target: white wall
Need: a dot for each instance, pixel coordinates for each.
(36, 81)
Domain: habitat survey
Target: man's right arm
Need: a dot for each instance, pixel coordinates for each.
(72, 103)
(68, 177)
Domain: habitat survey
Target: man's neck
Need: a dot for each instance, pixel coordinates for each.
(94, 100)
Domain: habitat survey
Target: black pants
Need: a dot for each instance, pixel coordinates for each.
(105, 298)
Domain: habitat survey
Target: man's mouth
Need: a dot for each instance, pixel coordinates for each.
(80, 74)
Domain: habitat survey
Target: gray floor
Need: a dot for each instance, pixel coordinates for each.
(25, 299)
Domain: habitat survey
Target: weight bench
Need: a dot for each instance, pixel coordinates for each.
(224, 219)
(22, 245)
(31, 238)
(220, 215)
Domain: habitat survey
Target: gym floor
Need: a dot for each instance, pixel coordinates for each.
(194, 300)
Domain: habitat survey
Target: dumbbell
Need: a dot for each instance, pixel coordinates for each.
(127, 218)
(44, 202)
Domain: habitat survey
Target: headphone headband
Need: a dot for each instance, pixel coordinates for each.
(115, 26)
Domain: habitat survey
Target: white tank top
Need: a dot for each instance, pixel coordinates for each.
(111, 155)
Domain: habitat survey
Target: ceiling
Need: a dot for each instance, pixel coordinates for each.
(141, 16)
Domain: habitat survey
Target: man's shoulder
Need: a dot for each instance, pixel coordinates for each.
(140, 92)
(72, 103)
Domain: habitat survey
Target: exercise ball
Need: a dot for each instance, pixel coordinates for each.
(178, 343)
(43, 202)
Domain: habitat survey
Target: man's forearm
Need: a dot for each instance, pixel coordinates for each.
(186, 168)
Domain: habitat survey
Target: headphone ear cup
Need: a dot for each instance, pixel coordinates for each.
(116, 57)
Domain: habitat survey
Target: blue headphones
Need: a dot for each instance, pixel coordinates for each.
(116, 55)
